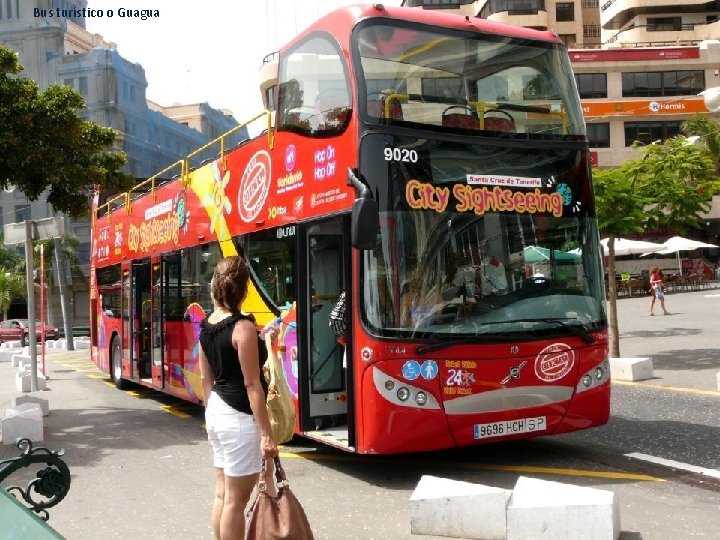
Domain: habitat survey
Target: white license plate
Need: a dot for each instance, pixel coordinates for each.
(509, 427)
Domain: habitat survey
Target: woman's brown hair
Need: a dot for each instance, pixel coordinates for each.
(654, 270)
(229, 282)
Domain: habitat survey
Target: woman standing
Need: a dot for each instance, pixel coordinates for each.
(234, 393)
(656, 290)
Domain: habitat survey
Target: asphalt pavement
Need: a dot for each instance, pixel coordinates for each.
(140, 461)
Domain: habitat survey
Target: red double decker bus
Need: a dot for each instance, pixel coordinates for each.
(436, 169)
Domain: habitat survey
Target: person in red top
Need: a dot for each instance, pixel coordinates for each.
(656, 290)
(234, 393)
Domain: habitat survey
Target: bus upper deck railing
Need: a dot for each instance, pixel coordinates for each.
(124, 200)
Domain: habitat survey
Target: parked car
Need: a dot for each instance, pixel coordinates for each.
(19, 330)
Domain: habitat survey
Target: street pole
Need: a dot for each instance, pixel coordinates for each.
(62, 283)
(32, 344)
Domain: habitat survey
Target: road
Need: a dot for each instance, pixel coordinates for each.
(141, 463)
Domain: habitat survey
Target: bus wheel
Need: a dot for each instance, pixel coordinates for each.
(116, 364)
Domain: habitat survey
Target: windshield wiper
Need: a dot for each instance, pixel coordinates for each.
(420, 349)
(581, 333)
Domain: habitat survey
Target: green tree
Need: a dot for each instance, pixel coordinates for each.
(707, 130)
(668, 185)
(46, 145)
(12, 285)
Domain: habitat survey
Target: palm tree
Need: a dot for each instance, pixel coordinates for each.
(12, 285)
(68, 252)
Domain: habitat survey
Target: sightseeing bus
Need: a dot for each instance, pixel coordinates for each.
(434, 168)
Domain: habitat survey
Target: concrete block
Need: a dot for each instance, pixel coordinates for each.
(23, 383)
(17, 357)
(22, 421)
(444, 507)
(7, 354)
(82, 344)
(541, 510)
(30, 398)
(631, 369)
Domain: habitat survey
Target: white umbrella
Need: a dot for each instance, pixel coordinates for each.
(624, 246)
(676, 244)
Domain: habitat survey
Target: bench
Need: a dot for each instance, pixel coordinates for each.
(26, 512)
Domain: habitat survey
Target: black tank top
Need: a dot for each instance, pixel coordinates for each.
(228, 379)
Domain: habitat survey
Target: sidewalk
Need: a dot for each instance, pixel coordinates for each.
(684, 346)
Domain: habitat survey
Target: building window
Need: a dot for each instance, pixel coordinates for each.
(22, 212)
(570, 40)
(590, 4)
(599, 135)
(648, 132)
(8, 9)
(663, 24)
(591, 30)
(565, 11)
(513, 7)
(592, 85)
(663, 83)
(132, 93)
(449, 87)
(69, 82)
(83, 86)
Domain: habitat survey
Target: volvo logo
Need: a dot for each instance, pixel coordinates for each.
(514, 349)
(514, 373)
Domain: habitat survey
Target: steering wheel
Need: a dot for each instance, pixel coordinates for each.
(337, 97)
(470, 111)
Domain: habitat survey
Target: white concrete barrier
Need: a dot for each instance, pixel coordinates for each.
(631, 369)
(30, 398)
(25, 420)
(10, 344)
(541, 510)
(718, 380)
(17, 359)
(444, 507)
(7, 354)
(82, 344)
(23, 382)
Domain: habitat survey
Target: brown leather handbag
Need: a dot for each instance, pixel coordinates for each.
(276, 518)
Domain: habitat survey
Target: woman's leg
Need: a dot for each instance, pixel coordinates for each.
(662, 305)
(218, 501)
(652, 303)
(237, 494)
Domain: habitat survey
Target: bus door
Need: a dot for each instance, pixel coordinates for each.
(156, 327)
(141, 309)
(326, 388)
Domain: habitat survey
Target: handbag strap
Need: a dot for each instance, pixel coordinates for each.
(280, 478)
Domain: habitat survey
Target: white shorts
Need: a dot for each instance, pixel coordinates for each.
(234, 437)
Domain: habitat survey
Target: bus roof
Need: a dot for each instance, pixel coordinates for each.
(341, 21)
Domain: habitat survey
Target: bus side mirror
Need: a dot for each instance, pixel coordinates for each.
(365, 223)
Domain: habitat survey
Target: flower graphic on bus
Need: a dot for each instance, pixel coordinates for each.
(183, 213)
(218, 201)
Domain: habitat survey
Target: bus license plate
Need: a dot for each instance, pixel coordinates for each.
(509, 427)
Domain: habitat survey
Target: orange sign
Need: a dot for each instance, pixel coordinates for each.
(681, 105)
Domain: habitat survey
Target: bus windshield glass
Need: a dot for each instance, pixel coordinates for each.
(460, 80)
(479, 240)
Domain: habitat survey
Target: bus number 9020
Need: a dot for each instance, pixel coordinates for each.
(401, 154)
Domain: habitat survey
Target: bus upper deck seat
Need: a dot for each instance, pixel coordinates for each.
(461, 120)
(505, 122)
(376, 108)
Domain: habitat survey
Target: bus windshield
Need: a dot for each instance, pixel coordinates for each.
(454, 79)
(479, 239)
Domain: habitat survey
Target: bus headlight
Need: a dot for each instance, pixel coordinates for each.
(421, 398)
(599, 373)
(403, 393)
(389, 385)
(587, 380)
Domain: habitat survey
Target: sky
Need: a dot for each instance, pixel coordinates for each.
(207, 50)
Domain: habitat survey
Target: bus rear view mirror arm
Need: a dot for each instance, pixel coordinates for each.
(365, 221)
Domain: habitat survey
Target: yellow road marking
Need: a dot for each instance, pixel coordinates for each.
(504, 468)
(111, 385)
(671, 388)
(98, 377)
(172, 410)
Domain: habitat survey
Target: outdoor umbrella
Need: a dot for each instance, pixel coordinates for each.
(536, 254)
(676, 244)
(624, 246)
